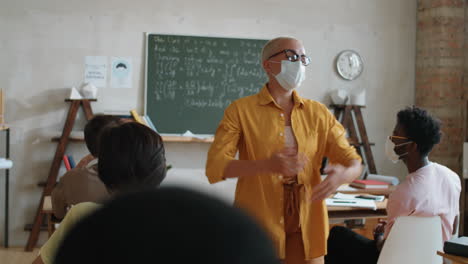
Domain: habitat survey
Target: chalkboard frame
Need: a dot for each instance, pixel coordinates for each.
(147, 46)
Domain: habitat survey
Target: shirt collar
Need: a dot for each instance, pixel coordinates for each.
(420, 170)
(266, 98)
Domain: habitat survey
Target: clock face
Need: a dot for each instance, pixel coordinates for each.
(349, 64)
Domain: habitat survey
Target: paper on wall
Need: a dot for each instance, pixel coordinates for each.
(121, 72)
(96, 70)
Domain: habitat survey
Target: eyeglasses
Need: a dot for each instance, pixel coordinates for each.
(396, 137)
(291, 55)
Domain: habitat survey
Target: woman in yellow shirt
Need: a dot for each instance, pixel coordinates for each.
(282, 139)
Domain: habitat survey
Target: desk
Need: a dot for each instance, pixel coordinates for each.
(345, 212)
(338, 213)
(453, 258)
(345, 188)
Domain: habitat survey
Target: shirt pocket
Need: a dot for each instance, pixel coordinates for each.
(311, 145)
(262, 137)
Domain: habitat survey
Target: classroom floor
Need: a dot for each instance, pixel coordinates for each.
(17, 256)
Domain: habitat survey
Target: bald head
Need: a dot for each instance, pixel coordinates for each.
(278, 44)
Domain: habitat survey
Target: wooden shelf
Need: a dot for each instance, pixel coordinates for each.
(344, 106)
(74, 136)
(72, 139)
(190, 140)
(186, 139)
(353, 143)
(165, 139)
(28, 227)
(71, 100)
(63, 140)
(350, 116)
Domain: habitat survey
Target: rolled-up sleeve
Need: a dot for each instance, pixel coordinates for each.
(225, 145)
(338, 149)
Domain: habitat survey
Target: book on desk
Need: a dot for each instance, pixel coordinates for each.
(457, 246)
(369, 184)
(351, 203)
(348, 200)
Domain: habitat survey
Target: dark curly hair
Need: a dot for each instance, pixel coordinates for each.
(420, 127)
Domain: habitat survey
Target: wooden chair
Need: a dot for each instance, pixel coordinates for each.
(47, 211)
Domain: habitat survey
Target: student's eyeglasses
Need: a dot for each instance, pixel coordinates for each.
(392, 138)
(291, 55)
(397, 137)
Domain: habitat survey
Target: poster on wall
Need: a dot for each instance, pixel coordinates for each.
(96, 70)
(121, 72)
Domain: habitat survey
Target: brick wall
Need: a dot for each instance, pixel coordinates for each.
(441, 53)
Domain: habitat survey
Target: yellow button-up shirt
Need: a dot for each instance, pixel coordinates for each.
(254, 126)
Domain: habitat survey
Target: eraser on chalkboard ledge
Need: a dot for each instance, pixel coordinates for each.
(189, 133)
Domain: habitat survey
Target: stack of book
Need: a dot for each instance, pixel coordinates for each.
(457, 246)
(145, 120)
(133, 115)
(369, 184)
(69, 162)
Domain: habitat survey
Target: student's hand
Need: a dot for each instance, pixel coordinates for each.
(287, 162)
(85, 161)
(379, 242)
(379, 229)
(379, 234)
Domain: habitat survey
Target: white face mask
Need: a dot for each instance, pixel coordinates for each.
(390, 150)
(292, 74)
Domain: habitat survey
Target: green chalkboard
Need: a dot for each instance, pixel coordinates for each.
(191, 80)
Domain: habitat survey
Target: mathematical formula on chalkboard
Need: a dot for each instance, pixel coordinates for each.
(191, 80)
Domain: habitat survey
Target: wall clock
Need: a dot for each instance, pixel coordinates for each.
(349, 64)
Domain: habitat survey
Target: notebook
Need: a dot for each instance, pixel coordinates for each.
(358, 203)
(457, 246)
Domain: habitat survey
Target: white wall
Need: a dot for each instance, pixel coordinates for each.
(43, 45)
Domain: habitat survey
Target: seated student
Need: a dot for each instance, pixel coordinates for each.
(414, 136)
(81, 184)
(131, 158)
(169, 225)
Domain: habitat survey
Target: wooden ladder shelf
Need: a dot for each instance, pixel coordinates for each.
(350, 116)
(54, 169)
